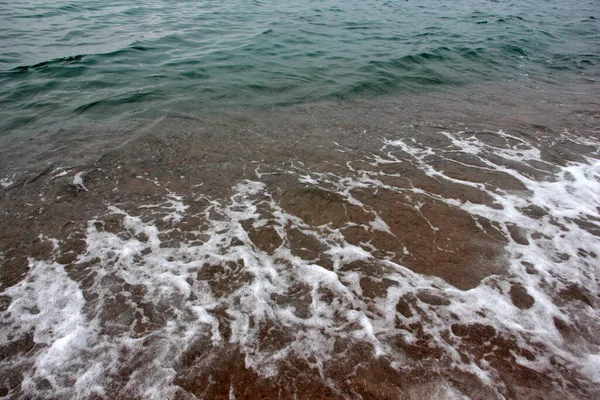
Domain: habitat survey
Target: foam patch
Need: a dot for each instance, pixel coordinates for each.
(162, 288)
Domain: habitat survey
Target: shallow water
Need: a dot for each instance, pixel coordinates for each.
(257, 200)
(410, 247)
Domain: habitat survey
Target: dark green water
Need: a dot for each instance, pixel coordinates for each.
(66, 63)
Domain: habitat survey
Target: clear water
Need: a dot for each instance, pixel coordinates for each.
(299, 200)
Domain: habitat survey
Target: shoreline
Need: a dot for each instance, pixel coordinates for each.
(375, 249)
(28, 153)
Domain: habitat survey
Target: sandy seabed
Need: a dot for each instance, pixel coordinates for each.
(434, 246)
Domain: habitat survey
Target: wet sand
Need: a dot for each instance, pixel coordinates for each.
(438, 246)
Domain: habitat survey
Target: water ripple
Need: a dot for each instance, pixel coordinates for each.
(269, 53)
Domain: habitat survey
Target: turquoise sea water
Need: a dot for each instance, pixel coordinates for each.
(70, 62)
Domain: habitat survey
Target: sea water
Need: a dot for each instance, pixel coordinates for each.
(321, 199)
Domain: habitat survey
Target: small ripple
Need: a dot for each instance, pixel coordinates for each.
(131, 97)
(45, 64)
(352, 48)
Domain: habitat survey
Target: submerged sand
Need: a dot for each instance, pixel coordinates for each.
(434, 246)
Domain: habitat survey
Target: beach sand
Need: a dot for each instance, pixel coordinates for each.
(441, 245)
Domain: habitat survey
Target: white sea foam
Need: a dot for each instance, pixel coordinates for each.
(7, 181)
(85, 337)
(78, 180)
(59, 172)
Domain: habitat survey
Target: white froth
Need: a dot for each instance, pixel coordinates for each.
(7, 182)
(78, 180)
(591, 367)
(51, 306)
(50, 303)
(59, 172)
